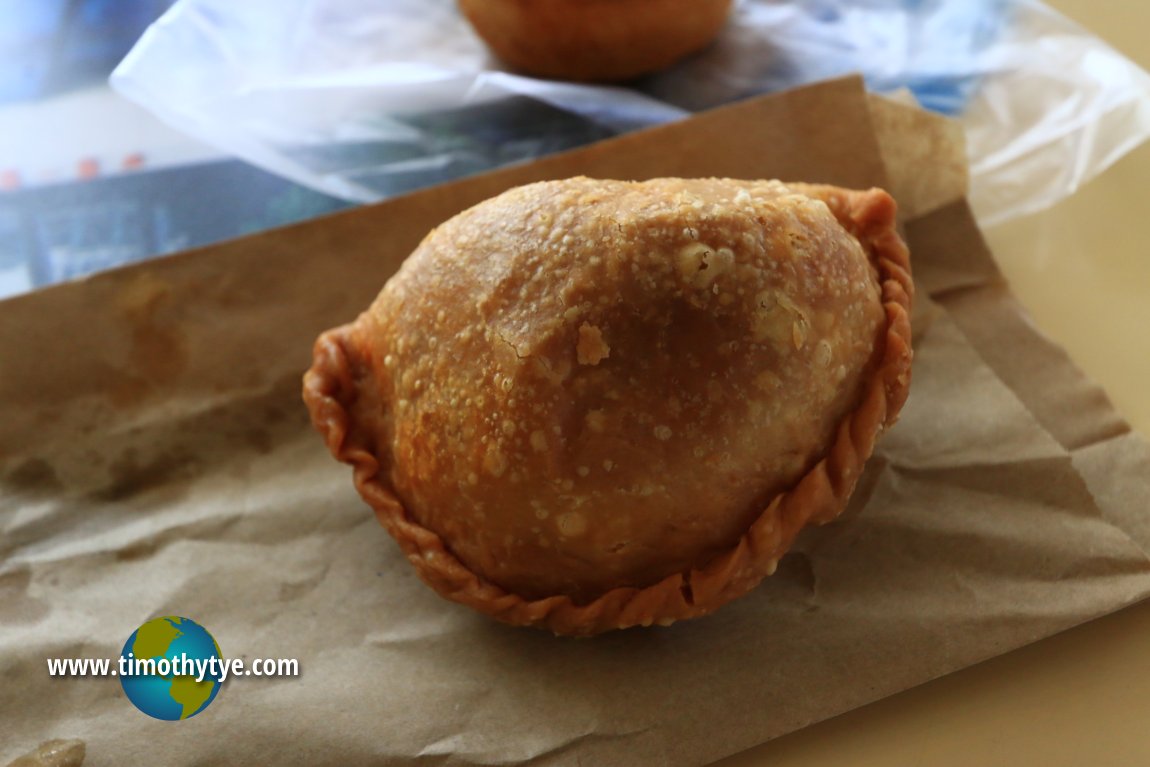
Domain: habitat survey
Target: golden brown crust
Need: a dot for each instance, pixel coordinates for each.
(353, 375)
(595, 40)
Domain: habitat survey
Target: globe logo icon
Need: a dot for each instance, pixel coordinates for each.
(160, 665)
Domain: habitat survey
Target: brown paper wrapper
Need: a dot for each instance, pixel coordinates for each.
(155, 460)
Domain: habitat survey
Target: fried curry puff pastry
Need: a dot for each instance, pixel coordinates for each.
(595, 40)
(586, 405)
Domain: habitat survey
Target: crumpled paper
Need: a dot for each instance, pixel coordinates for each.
(155, 459)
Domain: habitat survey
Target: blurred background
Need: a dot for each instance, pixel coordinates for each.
(88, 180)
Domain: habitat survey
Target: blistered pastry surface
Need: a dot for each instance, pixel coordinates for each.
(586, 386)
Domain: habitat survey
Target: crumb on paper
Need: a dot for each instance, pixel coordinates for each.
(53, 753)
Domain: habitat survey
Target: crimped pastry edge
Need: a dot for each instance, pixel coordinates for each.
(818, 496)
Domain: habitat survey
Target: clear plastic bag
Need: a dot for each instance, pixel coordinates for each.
(363, 99)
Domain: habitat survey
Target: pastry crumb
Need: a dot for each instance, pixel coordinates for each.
(571, 523)
(54, 753)
(596, 421)
(591, 349)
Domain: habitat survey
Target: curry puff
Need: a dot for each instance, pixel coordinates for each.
(585, 405)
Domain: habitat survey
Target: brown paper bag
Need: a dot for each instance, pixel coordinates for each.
(155, 460)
